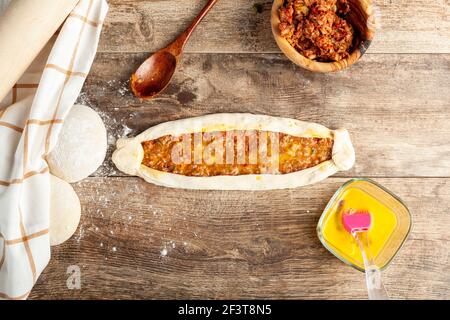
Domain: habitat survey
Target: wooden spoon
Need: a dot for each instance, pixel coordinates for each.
(155, 73)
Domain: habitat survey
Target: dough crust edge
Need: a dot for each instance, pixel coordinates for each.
(129, 153)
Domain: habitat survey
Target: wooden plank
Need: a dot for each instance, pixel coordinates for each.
(404, 26)
(236, 244)
(395, 106)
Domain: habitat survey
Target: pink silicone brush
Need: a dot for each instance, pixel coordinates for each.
(358, 223)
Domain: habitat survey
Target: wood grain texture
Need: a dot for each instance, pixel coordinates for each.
(404, 26)
(236, 244)
(395, 107)
(240, 245)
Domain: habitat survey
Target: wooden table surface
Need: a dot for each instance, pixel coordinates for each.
(220, 244)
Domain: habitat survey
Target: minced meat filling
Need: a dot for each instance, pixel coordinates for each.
(294, 154)
(317, 28)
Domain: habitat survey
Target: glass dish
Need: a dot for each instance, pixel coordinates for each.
(392, 235)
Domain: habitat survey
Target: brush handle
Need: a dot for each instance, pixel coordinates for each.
(375, 287)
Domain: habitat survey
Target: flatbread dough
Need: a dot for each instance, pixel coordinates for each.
(81, 146)
(129, 154)
(65, 211)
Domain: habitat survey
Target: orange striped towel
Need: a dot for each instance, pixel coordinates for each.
(31, 117)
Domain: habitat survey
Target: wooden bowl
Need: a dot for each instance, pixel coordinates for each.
(361, 18)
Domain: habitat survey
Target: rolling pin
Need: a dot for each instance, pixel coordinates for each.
(25, 27)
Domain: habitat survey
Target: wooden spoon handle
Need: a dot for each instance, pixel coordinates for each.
(177, 46)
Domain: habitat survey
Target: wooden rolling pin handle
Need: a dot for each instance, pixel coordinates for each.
(25, 27)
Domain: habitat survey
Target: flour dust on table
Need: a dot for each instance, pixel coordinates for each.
(114, 127)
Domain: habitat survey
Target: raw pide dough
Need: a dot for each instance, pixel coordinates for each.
(65, 211)
(81, 146)
(130, 153)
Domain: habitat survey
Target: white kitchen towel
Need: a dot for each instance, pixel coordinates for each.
(29, 128)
